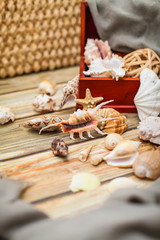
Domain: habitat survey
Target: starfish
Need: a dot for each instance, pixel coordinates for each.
(89, 101)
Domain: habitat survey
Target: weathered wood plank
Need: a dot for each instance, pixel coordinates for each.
(74, 204)
(17, 141)
(31, 81)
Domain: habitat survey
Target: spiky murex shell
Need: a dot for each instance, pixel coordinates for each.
(78, 117)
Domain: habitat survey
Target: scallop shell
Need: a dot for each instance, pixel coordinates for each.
(149, 129)
(147, 164)
(119, 183)
(147, 99)
(85, 153)
(84, 181)
(118, 125)
(6, 115)
(44, 103)
(47, 87)
(124, 154)
(112, 140)
(106, 67)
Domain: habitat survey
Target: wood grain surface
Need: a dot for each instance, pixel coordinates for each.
(26, 156)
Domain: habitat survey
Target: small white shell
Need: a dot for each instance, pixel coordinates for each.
(112, 140)
(124, 154)
(120, 182)
(84, 181)
(47, 87)
(43, 103)
(6, 115)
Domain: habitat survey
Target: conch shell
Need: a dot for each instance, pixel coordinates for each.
(43, 103)
(85, 153)
(84, 181)
(96, 49)
(6, 115)
(112, 140)
(47, 87)
(118, 125)
(124, 154)
(106, 67)
(70, 90)
(147, 164)
(147, 99)
(149, 129)
(41, 122)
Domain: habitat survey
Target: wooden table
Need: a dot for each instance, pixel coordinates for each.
(26, 156)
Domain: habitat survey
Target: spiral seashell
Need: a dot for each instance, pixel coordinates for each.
(124, 154)
(118, 125)
(85, 153)
(147, 164)
(97, 158)
(112, 140)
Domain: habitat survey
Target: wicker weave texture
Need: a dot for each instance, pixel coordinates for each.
(38, 35)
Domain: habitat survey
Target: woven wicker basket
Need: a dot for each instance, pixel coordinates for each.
(38, 35)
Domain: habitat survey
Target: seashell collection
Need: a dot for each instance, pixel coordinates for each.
(81, 121)
(43, 103)
(147, 164)
(149, 130)
(106, 67)
(6, 115)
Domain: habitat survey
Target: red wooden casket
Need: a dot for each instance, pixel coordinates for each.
(121, 91)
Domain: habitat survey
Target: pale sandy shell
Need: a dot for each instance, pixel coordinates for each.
(147, 164)
(6, 115)
(47, 87)
(112, 140)
(119, 183)
(83, 155)
(84, 181)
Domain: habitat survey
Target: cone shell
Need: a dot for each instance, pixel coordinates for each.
(124, 154)
(118, 125)
(95, 159)
(84, 181)
(47, 87)
(147, 164)
(84, 154)
(112, 140)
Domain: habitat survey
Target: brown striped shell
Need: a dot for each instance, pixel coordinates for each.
(118, 125)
